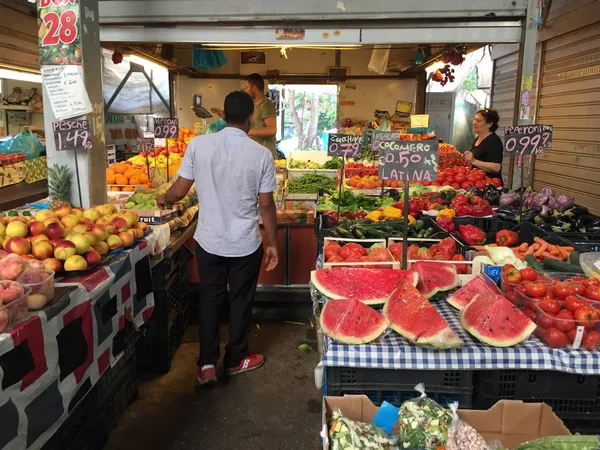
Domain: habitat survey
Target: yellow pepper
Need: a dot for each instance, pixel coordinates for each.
(375, 216)
(411, 219)
(392, 213)
(447, 213)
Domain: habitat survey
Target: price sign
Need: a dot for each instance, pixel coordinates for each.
(527, 139)
(145, 145)
(72, 135)
(166, 127)
(59, 32)
(344, 145)
(407, 160)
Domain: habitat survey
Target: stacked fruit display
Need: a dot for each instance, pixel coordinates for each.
(69, 239)
(125, 177)
(353, 253)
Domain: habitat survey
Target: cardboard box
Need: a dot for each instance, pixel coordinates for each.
(511, 422)
(35, 169)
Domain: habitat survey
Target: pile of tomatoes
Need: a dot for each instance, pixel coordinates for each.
(360, 170)
(558, 308)
(461, 177)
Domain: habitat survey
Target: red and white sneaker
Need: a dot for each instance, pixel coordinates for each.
(250, 362)
(207, 375)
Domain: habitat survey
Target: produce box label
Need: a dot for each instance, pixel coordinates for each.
(35, 169)
(527, 139)
(59, 32)
(344, 145)
(406, 160)
(166, 127)
(72, 135)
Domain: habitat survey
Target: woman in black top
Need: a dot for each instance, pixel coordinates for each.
(486, 152)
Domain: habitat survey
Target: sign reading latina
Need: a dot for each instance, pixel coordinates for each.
(59, 32)
(407, 160)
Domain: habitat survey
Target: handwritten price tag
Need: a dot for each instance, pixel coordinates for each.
(406, 160)
(166, 127)
(72, 135)
(527, 139)
(145, 145)
(344, 145)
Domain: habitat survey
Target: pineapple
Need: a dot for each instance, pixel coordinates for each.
(59, 186)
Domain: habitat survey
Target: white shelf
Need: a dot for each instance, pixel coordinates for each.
(16, 108)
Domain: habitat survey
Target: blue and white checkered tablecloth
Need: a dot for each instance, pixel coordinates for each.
(392, 351)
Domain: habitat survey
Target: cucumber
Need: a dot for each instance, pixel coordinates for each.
(560, 266)
(574, 258)
(534, 264)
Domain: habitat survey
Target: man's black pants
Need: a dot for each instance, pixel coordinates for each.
(216, 272)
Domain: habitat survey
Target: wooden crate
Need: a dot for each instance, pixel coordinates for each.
(366, 243)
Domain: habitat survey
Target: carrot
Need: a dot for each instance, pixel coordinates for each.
(530, 251)
(562, 253)
(479, 248)
(536, 247)
(523, 246)
(543, 248)
(539, 241)
(566, 248)
(548, 255)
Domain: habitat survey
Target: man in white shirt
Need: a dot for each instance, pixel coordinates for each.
(232, 174)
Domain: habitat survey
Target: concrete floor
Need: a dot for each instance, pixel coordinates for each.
(274, 407)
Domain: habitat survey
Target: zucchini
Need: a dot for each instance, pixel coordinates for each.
(534, 264)
(561, 266)
(574, 258)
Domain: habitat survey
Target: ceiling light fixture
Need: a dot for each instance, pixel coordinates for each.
(20, 76)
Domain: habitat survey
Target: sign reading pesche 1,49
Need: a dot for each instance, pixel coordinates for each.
(59, 32)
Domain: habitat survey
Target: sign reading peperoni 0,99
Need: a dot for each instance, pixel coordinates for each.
(59, 32)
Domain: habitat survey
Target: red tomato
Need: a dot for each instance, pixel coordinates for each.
(576, 279)
(544, 320)
(529, 274)
(540, 332)
(460, 177)
(506, 268)
(520, 288)
(449, 179)
(550, 306)
(334, 258)
(592, 292)
(577, 288)
(573, 303)
(556, 338)
(587, 317)
(536, 289)
(572, 333)
(529, 313)
(333, 248)
(564, 320)
(480, 184)
(548, 294)
(466, 185)
(562, 290)
(533, 304)
(591, 341)
(590, 282)
(510, 296)
(512, 276)
(497, 182)
(455, 185)
(352, 247)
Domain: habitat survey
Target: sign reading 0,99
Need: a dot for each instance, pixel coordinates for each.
(406, 160)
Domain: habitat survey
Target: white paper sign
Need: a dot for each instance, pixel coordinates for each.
(66, 91)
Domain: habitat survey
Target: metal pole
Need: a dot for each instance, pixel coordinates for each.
(405, 226)
(538, 96)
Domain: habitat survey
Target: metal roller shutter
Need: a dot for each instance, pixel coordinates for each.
(570, 100)
(18, 36)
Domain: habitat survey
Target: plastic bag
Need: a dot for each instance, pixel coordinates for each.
(423, 422)
(26, 143)
(346, 433)
(461, 435)
(217, 126)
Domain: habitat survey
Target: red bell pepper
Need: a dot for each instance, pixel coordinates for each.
(447, 224)
(507, 238)
(471, 234)
(474, 210)
(459, 200)
(461, 269)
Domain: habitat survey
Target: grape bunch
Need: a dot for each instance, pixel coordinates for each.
(444, 75)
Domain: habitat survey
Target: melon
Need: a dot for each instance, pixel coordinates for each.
(434, 277)
(351, 321)
(495, 321)
(411, 315)
(481, 284)
(370, 286)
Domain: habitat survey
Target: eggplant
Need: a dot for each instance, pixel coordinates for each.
(545, 212)
(545, 226)
(507, 215)
(540, 200)
(477, 192)
(594, 226)
(579, 211)
(529, 216)
(549, 192)
(492, 197)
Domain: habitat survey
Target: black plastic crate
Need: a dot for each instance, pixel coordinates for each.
(588, 242)
(396, 386)
(491, 226)
(585, 424)
(566, 393)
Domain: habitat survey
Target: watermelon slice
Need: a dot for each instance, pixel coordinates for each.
(495, 321)
(434, 277)
(351, 321)
(481, 284)
(370, 286)
(412, 316)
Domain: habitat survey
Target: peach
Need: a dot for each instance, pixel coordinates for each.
(64, 250)
(16, 229)
(91, 237)
(106, 210)
(114, 242)
(39, 238)
(92, 257)
(10, 291)
(53, 220)
(100, 232)
(105, 220)
(88, 223)
(27, 257)
(36, 228)
(43, 215)
(18, 245)
(33, 264)
(110, 229)
(127, 238)
(81, 242)
(42, 250)
(75, 263)
(2, 230)
(92, 213)
(4, 320)
(102, 248)
(53, 264)
(70, 220)
(78, 212)
(80, 229)
(120, 224)
(3, 254)
(141, 226)
(62, 211)
(55, 231)
(35, 302)
(11, 267)
(33, 277)
(4, 242)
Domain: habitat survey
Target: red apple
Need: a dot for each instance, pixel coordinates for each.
(55, 231)
(92, 257)
(35, 228)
